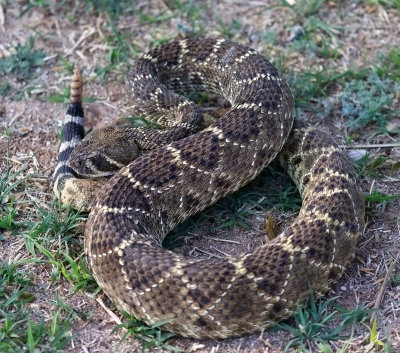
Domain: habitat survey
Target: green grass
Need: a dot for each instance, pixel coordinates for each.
(21, 64)
(366, 166)
(371, 167)
(313, 37)
(367, 96)
(5, 89)
(135, 121)
(321, 321)
(229, 30)
(260, 196)
(150, 336)
(31, 4)
(114, 8)
(386, 3)
(23, 61)
(64, 97)
(120, 53)
(7, 222)
(381, 198)
(272, 189)
(319, 39)
(395, 281)
(369, 100)
(160, 17)
(20, 329)
(193, 12)
(52, 237)
(388, 66)
(304, 7)
(49, 232)
(311, 88)
(9, 181)
(49, 236)
(268, 36)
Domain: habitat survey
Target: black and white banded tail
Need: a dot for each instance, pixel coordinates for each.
(72, 134)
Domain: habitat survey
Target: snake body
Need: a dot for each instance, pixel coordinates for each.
(140, 204)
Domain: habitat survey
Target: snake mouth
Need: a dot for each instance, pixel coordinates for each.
(86, 168)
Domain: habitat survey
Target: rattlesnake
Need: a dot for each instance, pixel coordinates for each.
(141, 203)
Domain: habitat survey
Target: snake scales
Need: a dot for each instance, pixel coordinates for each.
(192, 169)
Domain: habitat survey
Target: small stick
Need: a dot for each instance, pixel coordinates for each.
(109, 312)
(208, 253)
(383, 145)
(383, 286)
(225, 240)
(86, 33)
(117, 320)
(221, 252)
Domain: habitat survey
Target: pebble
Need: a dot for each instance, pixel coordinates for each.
(297, 32)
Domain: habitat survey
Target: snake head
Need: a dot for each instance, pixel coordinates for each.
(103, 152)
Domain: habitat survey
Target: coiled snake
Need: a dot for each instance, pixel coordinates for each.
(187, 169)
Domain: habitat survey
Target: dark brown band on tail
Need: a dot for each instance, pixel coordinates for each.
(76, 87)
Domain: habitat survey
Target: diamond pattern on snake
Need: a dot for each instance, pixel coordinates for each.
(162, 177)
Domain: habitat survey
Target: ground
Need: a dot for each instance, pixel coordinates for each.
(342, 61)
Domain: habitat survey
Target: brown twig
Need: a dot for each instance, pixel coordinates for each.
(382, 145)
(207, 253)
(108, 311)
(383, 286)
(225, 240)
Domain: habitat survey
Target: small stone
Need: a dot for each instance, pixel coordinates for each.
(356, 154)
(297, 32)
(254, 38)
